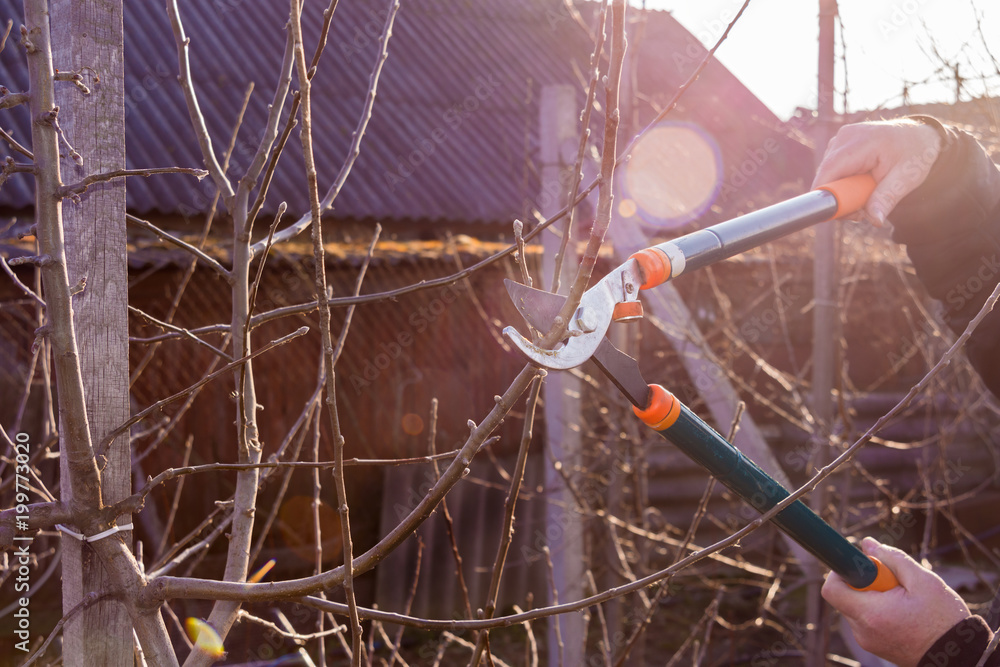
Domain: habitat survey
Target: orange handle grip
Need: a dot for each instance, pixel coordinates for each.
(885, 580)
(852, 193)
(655, 267)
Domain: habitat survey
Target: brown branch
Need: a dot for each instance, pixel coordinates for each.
(329, 361)
(6, 34)
(182, 331)
(445, 512)
(588, 107)
(337, 302)
(292, 121)
(24, 288)
(605, 191)
(298, 429)
(9, 99)
(507, 531)
(359, 132)
(184, 245)
(172, 514)
(108, 439)
(41, 516)
(260, 158)
(174, 587)
(194, 110)
(15, 145)
(11, 167)
(81, 187)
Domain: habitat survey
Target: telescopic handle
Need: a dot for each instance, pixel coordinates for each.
(704, 446)
(668, 260)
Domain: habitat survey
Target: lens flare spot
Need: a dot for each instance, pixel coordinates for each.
(262, 572)
(627, 208)
(674, 174)
(204, 637)
(413, 424)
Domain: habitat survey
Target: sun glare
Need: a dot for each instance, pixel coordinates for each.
(673, 175)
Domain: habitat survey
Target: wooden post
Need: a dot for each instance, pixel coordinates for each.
(825, 317)
(88, 37)
(558, 124)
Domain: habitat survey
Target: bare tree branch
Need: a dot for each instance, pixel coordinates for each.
(21, 286)
(194, 109)
(138, 417)
(81, 187)
(345, 170)
(170, 238)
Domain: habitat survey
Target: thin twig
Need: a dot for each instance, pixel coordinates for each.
(359, 132)
(249, 180)
(298, 429)
(446, 513)
(408, 605)
(510, 505)
(108, 439)
(172, 514)
(328, 364)
(81, 186)
(588, 107)
(194, 109)
(6, 34)
(181, 330)
(170, 238)
(24, 288)
(89, 600)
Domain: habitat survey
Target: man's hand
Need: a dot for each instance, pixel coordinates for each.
(898, 625)
(899, 154)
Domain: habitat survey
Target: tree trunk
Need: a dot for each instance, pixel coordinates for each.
(87, 37)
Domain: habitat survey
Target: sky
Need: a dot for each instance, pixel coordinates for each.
(773, 48)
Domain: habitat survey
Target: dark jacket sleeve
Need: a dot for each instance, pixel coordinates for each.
(962, 646)
(951, 228)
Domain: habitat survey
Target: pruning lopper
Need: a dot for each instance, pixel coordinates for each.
(615, 298)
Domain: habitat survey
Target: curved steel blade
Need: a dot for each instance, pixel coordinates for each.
(539, 309)
(575, 349)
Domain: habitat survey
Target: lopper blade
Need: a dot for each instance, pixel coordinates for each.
(539, 309)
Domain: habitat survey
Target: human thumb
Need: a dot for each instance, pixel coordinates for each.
(907, 570)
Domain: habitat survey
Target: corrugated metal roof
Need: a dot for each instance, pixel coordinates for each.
(454, 131)
(457, 95)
